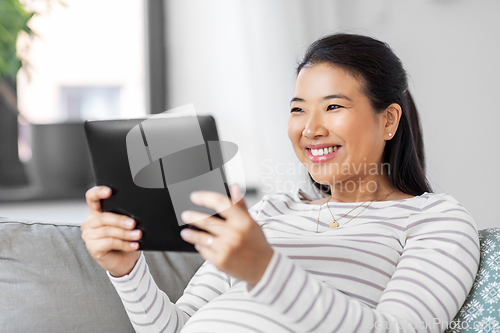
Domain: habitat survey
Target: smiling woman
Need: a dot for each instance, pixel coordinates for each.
(380, 253)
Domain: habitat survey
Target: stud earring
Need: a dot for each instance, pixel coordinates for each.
(390, 134)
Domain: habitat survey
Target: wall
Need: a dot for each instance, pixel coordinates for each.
(236, 60)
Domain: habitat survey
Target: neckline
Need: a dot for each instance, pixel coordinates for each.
(393, 202)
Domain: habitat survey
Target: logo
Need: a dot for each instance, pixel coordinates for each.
(169, 151)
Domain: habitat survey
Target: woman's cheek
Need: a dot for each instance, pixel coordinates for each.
(293, 129)
(294, 134)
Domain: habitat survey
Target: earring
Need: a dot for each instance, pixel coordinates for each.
(390, 134)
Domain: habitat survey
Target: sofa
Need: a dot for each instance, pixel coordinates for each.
(49, 282)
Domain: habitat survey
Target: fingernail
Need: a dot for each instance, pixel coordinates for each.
(134, 245)
(135, 233)
(194, 195)
(185, 233)
(185, 215)
(104, 190)
(128, 223)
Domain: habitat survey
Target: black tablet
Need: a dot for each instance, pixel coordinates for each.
(152, 165)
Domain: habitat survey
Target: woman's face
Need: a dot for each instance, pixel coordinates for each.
(333, 128)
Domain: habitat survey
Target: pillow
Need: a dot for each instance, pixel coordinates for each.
(50, 283)
(481, 310)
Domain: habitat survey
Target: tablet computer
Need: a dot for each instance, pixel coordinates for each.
(152, 165)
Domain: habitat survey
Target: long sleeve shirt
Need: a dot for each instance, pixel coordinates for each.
(399, 266)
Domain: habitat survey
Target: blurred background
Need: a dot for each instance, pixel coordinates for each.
(236, 59)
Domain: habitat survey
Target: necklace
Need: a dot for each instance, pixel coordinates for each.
(335, 223)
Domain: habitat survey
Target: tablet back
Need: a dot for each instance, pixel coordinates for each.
(142, 185)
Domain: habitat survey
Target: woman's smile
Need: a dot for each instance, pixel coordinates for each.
(320, 154)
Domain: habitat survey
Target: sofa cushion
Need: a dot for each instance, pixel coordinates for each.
(50, 283)
(481, 310)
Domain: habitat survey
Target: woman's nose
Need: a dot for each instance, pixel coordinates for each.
(315, 127)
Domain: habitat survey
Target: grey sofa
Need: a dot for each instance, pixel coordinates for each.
(49, 282)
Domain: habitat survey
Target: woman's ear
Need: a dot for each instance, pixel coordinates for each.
(391, 120)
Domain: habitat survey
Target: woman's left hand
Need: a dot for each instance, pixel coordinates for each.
(238, 246)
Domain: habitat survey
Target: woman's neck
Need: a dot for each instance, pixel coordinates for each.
(367, 188)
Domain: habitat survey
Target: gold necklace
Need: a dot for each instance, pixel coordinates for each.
(335, 223)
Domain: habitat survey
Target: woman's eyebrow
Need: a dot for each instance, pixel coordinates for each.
(298, 99)
(336, 96)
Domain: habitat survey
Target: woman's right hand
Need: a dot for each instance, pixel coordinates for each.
(110, 238)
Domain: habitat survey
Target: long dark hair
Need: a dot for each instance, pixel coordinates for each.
(384, 82)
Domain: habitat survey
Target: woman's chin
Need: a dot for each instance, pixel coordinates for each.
(325, 181)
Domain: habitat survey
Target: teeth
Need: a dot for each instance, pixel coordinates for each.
(324, 151)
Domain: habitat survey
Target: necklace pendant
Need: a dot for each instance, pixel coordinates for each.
(334, 225)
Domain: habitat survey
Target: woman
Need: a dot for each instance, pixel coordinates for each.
(379, 251)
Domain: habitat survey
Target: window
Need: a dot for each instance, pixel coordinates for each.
(87, 61)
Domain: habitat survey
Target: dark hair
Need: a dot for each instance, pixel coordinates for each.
(384, 82)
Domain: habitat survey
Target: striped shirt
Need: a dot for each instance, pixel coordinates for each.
(400, 266)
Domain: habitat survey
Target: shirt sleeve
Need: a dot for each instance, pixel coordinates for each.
(435, 272)
(150, 309)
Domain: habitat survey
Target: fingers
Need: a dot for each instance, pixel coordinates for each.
(94, 196)
(207, 252)
(209, 223)
(201, 241)
(112, 220)
(204, 242)
(109, 231)
(220, 202)
(99, 247)
(109, 225)
(114, 232)
(236, 194)
(213, 200)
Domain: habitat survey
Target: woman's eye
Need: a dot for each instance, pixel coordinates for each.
(296, 110)
(333, 107)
